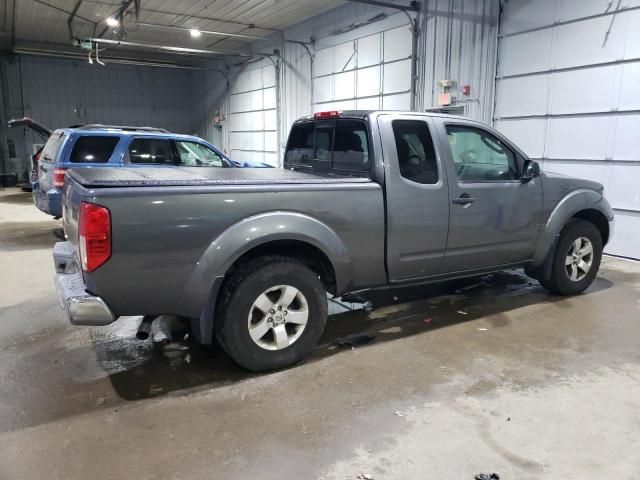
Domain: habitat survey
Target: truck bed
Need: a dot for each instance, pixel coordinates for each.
(188, 176)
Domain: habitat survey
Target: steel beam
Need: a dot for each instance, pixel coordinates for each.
(412, 7)
(168, 48)
(206, 32)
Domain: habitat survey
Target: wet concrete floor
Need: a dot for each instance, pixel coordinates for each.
(481, 375)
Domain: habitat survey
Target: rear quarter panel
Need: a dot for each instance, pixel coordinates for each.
(159, 236)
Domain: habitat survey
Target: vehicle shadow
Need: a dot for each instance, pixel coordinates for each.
(410, 310)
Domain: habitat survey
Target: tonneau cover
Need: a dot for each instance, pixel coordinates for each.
(184, 176)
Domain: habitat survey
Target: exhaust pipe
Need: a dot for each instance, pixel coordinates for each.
(144, 329)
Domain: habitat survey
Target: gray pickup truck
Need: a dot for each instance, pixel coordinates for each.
(366, 200)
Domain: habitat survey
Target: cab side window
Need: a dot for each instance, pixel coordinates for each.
(416, 153)
(479, 156)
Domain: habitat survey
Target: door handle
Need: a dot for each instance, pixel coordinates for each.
(464, 199)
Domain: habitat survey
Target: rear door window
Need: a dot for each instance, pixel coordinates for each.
(93, 149)
(338, 146)
(192, 154)
(416, 154)
(51, 147)
(150, 151)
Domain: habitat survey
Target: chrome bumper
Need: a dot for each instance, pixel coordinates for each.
(80, 307)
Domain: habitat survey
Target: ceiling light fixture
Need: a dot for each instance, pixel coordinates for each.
(112, 22)
(195, 33)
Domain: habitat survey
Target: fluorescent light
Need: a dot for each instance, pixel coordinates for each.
(112, 22)
(195, 33)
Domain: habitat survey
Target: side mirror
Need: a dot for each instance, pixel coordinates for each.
(530, 171)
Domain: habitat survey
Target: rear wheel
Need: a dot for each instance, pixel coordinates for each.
(272, 313)
(576, 259)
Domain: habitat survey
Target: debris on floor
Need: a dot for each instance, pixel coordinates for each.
(398, 413)
(354, 341)
(487, 476)
(427, 320)
(365, 476)
(462, 312)
(482, 329)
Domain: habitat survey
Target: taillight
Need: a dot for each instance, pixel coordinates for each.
(58, 177)
(329, 114)
(94, 236)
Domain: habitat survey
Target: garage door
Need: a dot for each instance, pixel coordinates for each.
(372, 72)
(567, 93)
(252, 112)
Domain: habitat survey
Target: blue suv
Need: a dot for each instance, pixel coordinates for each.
(103, 146)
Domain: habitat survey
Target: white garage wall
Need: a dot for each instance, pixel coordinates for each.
(371, 72)
(252, 114)
(567, 93)
(362, 60)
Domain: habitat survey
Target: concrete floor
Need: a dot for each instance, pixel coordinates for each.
(461, 378)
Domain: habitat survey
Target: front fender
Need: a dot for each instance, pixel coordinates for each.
(258, 230)
(574, 202)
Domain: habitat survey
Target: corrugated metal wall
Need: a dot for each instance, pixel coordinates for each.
(568, 93)
(59, 92)
(457, 40)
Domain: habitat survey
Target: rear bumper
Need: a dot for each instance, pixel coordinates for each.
(49, 202)
(80, 307)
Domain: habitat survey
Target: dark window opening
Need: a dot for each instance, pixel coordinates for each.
(416, 153)
(339, 147)
(97, 149)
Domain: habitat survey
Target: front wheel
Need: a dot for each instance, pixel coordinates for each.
(272, 313)
(576, 259)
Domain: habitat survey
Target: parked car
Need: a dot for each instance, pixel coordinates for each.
(367, 200)
(43, 132)
(100, 146)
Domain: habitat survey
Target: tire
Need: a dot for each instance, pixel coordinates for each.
(261, 285)
(570, 278)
